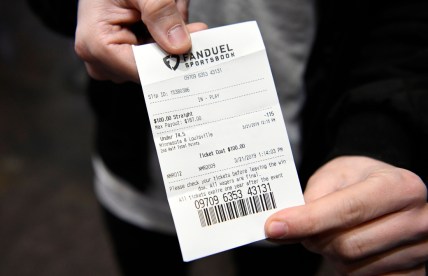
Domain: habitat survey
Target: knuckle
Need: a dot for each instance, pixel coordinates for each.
(85, 52)
(424, 228)
(81, 50)
(352, 212)
(415, 188)
(421, 227)
(400, 181)
(95, 74)
(347, 248)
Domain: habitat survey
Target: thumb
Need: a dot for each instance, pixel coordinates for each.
(166, 25)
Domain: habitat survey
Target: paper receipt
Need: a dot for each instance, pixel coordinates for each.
(220, 137)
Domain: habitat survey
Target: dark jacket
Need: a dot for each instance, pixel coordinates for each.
(367, 84)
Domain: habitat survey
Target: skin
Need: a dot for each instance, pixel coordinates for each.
(364, 216)
(104, 36)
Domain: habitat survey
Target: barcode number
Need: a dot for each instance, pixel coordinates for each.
(236, 209)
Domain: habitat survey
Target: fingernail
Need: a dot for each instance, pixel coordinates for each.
(178, 36)
(277, 230)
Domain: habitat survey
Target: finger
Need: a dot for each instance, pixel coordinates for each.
(116, 61)
(419, 271)
(119, 67)
(405, 260)
(166, 25)
(196, 27)
(339, 173)
(99, 33)
(113, 60)
(183, 8)
(374, 237)
(380, 194)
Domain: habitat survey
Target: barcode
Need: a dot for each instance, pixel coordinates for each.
(236, 209)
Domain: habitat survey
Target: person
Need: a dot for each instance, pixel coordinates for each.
(364, 126)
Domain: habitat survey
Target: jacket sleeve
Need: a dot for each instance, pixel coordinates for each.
(59, 16)
(368, 84)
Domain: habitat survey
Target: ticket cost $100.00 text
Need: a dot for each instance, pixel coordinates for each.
(220, 136)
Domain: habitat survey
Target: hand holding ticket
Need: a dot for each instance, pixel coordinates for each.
(220, 137)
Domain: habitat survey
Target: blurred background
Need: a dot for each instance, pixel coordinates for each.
(49, 220)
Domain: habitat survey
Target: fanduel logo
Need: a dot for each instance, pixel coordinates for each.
(172, 61)
(200, 57)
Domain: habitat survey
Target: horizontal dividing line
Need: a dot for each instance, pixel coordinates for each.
(225, 100)
(230, 168)
(219, 120)
(209, 91)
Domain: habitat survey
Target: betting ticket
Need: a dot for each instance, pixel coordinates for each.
(220, 137)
